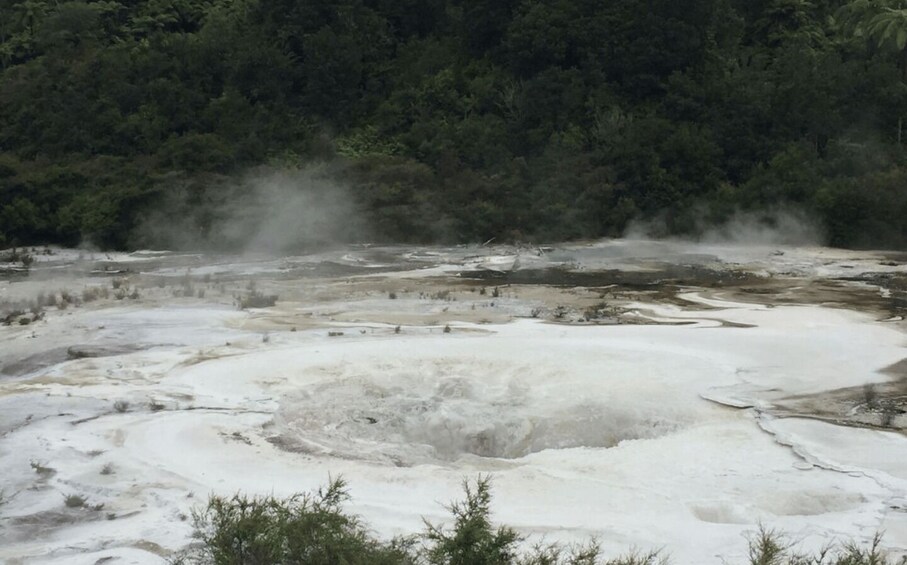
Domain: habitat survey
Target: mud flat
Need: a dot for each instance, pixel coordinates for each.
(650, 394)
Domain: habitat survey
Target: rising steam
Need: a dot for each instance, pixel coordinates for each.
(765, 227)
(271, 211)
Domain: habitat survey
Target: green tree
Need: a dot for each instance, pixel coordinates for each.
(884, 24)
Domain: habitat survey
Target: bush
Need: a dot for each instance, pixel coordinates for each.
(313, 529)
(473, 540)
(74, 501)
(308, 528)
(256, 299)
(769, 547)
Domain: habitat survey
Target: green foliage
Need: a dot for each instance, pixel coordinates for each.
(313, 529)
(473, 540)
(456, 120)
(309, 528)
(768, 547)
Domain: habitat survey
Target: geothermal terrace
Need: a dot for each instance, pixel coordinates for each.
(650, 394)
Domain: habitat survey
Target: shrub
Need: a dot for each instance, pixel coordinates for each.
(313, 529)
(473, 540)
(92, 293)
(256, 299)
(309, 528)
(42, 469)
(74, 501)
(769, 547)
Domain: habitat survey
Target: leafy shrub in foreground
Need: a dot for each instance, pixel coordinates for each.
(769, 547)
(307, 528)
(313, 529)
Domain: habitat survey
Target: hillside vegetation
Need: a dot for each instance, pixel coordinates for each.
(455, 120)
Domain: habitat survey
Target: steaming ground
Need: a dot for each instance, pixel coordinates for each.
(648, 394)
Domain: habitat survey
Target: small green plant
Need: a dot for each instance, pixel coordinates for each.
(107, 469)
(43, 470)
(442, 295)
(870, 395)
(768, 547)
(92, 293)
(75, 501)
(392, 295)
(473, 540)
(255, 299)
(121, 406)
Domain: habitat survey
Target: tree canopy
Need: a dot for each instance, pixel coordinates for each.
(458, 120)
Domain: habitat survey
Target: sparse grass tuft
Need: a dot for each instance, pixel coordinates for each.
(121, 406)
(107, 469)
(41, 469)
(75, 501)
(92, 293)
(255, 299)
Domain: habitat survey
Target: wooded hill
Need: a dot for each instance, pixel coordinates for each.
(456, 120)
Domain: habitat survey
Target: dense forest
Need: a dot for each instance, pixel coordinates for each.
(455, 120)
